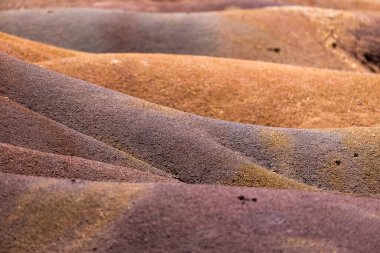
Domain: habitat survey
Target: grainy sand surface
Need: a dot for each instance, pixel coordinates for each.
(194, 126)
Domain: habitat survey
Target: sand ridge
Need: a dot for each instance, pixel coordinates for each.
(258, 93)
(31, 51)
(234, 130)
(242, 91)
(116, 217)
(320, 38)
(220, 152)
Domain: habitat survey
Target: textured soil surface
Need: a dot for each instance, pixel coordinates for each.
(234, 130)
(218, 152)
(320, 37)
(179, 218)
(31, 51)
(242, 91)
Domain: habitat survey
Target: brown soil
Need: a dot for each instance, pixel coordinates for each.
(217, 152)
(23, 161)
(320, 38)
(92, 168)
(25, 128)
(242, 91)
(48, 215)
(31, 51)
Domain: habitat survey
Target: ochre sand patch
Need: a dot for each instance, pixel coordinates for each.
(31, 51)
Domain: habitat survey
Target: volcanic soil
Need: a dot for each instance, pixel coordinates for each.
(242, 91)
(320, 38)
(42, 215)
(227, 131)
(219, 152)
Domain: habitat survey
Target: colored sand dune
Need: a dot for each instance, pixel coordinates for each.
(189, 126)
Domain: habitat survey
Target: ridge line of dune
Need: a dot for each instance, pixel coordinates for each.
(29, 162)
(131, 160)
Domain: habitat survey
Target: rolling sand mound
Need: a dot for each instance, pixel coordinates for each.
(32, 51)
(242, 91)
(22, 127)
(197, 149)
(137, 149)
(47, 215)
(319, 38)
(23, 161)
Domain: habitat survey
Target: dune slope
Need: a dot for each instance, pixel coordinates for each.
(198, 149)
(242, 91)
(31, 51)
(25, 128)
(320, 38)
(42, 215)
(23, 161)
(194, 126)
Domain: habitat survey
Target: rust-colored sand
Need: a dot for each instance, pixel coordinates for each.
(243, 91)
(31, 51)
